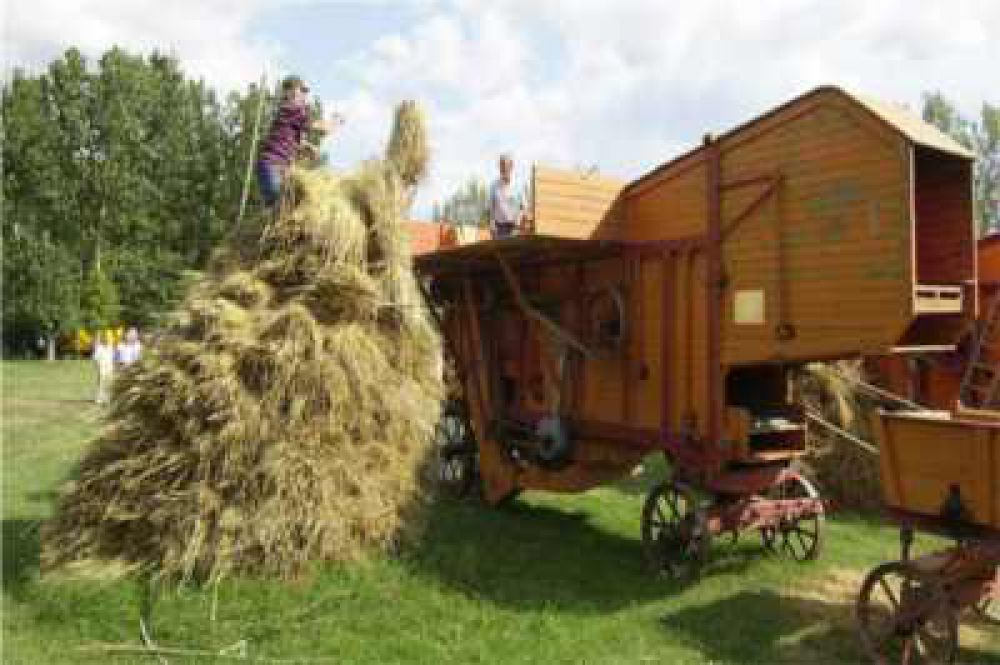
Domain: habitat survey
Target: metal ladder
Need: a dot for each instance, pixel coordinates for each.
(981, 381)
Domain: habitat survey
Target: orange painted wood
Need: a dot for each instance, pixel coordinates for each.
(497, 471)
(925, 456)
(572, 204)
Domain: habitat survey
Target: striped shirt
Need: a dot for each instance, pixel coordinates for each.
(286, 133)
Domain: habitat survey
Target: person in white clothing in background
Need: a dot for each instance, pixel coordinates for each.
(104, 358)
(130, 348)
(506, 209)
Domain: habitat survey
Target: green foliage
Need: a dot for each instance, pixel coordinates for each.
(988, 167)
(983, 138)
(125, 154)
(469, 205)
(150, 282)
(99, 300)
(41, 284)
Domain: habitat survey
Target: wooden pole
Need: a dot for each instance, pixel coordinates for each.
(253, 149)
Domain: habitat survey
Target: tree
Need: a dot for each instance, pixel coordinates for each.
(988, 168)
(469, 205)
(983, 138)
(41, 288)
(99, 306)
(122, 158)
(150, 282)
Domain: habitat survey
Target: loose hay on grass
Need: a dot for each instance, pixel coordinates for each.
(285, 415)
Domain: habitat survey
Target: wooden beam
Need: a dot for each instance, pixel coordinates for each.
(548, 324)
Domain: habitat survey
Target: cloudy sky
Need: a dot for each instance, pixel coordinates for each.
(623, 84)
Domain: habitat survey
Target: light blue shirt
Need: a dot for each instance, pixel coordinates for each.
(505, 208)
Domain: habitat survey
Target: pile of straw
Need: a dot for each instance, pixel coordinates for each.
(286, 413)
(846, 472)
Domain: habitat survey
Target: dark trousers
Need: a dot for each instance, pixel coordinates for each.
(269, 179)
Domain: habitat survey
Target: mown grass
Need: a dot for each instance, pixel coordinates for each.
(553, 579)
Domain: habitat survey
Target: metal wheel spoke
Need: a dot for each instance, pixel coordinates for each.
(918, 623)
(919, 643)
(672, 543)
(889, 593)
(802, 543)
(659, 513)
(907, 649)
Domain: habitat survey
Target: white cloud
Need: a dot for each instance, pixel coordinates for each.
(621, 84)
(211, 37)
(626, 85)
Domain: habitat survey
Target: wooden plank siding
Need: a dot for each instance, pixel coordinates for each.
(926, 456)
(570, 204)
(830, 247)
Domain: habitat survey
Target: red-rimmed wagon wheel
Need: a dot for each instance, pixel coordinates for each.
(800, 538)
(458, 465)
(675, 535)
(905, 616)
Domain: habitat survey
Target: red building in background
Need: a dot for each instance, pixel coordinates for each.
(429, 236)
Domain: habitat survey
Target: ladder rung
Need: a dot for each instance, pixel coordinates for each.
(981, 380)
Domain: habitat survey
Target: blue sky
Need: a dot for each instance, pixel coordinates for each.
(621, 85)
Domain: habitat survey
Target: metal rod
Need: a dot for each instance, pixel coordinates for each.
(879, 391)
(861, 443)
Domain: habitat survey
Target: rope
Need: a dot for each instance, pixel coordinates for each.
(253, 151)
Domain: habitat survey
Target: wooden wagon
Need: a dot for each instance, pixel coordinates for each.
(668, 314)
(940, 474)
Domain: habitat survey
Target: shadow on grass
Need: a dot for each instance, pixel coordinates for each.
(527, 556)
(770, 627)
(46, 496)
(21, 549)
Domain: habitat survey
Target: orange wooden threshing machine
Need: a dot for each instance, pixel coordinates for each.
(668, 314)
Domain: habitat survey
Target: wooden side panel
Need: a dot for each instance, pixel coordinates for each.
(686, 402)
(570, 204)
(989, 260)
(648, 364)
(673, 206)
(943, 200)
(695, 353)
(603, 386)
(924, 457)
(819, 264)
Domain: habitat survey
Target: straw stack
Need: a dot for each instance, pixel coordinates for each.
(286, 413)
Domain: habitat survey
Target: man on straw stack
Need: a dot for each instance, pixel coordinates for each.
(287, 137)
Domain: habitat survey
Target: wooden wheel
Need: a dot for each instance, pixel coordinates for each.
(675, 537)
(800, 539)
(904, 616)
(457, 468)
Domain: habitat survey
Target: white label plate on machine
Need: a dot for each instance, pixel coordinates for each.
(748, 307)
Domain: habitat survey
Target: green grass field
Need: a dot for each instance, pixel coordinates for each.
(550, 579)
